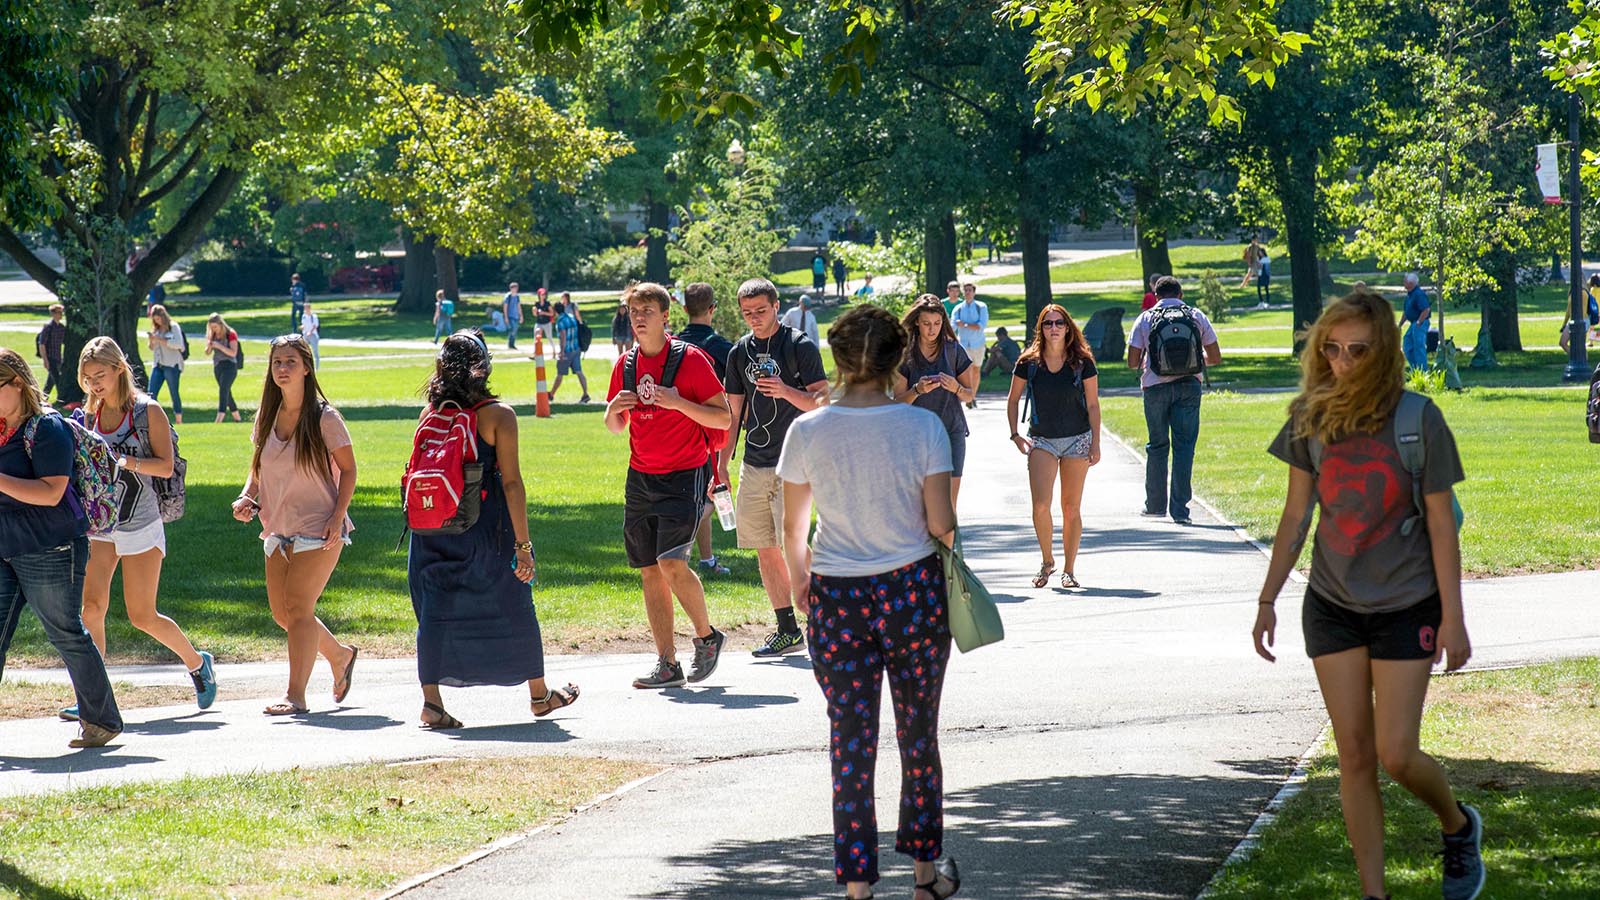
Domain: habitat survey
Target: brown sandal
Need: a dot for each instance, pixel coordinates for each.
(1043, 578)
(554, 699)
(445, 722)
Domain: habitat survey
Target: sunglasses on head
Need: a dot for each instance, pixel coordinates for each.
(282, 339)
(1355, 350)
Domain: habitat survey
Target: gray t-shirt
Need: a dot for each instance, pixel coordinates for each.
(866, 467)
(1359, 558)
(134, 495)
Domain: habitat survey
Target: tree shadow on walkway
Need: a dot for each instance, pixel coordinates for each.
(1129, 836)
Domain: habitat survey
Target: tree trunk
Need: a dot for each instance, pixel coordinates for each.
(444, 259)
(1500, 302)
(418, 273)
(656, 267)
(1154, 256)
(1035, 239)
(938, 255)
(1297, 193)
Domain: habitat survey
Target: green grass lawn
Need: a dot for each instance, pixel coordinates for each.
(1191, 262)
(1520, 448)
(1517, 744)
(323, 833)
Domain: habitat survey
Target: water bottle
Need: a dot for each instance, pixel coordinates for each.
(723, 498)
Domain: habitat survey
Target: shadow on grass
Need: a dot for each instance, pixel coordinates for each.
(1091, 836)
(14, 879)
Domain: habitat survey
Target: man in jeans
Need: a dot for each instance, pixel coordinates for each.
(774, 374)
(1171, 408)
(971, 322)
(669, 463)
(511, 308)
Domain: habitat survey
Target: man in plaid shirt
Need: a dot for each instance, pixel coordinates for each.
(48, 345)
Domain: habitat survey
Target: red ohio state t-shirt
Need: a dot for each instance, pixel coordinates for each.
(665, 440)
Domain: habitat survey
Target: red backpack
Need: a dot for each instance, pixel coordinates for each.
(442, 489)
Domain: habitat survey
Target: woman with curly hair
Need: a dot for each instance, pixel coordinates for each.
(938, 376)
(302, 476)
(1383, 603)
(1058, 377)
(471, 591)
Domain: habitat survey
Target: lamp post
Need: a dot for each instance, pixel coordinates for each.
(1577, 353)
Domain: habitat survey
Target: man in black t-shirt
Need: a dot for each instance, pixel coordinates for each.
(774, 374)
(700, 304)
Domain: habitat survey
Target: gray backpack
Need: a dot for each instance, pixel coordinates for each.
(170, 491)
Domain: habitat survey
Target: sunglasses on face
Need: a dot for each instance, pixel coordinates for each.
(1053, 323)
(1355, 350)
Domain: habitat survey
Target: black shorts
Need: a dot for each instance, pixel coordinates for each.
(1408, 633)
(958, 453)
(661, 514)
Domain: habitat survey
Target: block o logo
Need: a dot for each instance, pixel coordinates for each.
(1425, 637)
(647, 390)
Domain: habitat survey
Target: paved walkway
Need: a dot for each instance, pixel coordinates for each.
(1117, 744)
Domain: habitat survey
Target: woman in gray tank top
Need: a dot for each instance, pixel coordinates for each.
(143, 442)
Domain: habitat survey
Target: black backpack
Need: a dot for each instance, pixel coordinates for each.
(1594, 406)
(185, 335)
(1175, 346)
(676, 349)
(585, 337)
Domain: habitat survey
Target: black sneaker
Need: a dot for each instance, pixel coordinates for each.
(1463, 859)
(664, 675)
(1151, 515)
(706, 653)
(1182, 520)
(780, 643)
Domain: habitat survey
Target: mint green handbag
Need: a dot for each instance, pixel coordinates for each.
(974, 619)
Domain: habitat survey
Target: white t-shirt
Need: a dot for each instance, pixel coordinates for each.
(792, 319)
(866, 467)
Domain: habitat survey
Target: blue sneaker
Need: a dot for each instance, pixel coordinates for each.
(1463, 859)
(69, 713)
(205, 681)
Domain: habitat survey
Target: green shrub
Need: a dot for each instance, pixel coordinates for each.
(1425, 381)
(610, 269)
(1213, 297)
(253, 277)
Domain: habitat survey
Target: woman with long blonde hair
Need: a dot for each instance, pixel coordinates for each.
(166, 357)
(302, 476)
(222, 343)
(938, 375)
(1057, 374)
(1383, 602)
(142, 439)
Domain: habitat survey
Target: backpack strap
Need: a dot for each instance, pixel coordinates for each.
(675, 353)
(30, 431)
(791, 358)
(1028, 412)
(1408, 438)
(630, 369)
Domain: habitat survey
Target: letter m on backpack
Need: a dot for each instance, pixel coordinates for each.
(442, 489)
(1175, 346)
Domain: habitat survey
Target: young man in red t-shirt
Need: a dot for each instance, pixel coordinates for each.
(669, 471)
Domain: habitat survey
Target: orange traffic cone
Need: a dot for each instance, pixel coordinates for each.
(542, 404)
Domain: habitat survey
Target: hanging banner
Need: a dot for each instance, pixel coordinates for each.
(1549, 173)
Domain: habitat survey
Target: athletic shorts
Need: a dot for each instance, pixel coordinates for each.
(1074, 447)
(569, 363)
(661, 514)
(758, 511)
(958, 453)
(137, 541)
(1402, 634)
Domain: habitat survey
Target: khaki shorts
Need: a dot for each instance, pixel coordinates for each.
(758, 510)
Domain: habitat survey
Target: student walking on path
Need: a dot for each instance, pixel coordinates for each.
(48, 345)
(1383, 605)
(1170, 346)
(622, 330)
(471, 592)
(774, 375)
(301, 478)
(1418, 309)
(872, 588)
(666, 396)
(1057, 377)
(511, 306)
(311, 330)
(44, 548)
(145, 448)
(166, 357)
(700, 303)
(444, 309)
(569, 352)
(971, 321)
(297, 301)
(222, 343)
(938, 376)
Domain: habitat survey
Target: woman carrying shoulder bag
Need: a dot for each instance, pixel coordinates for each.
(222, 343)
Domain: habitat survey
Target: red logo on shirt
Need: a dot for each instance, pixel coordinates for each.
(1362, 502)
(646, 389)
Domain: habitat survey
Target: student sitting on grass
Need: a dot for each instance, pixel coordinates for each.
(1383, 605)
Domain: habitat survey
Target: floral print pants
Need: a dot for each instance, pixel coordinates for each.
(860, 628)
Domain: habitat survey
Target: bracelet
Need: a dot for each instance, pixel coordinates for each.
(250, 500)
(523, 545)
(1014, 435)
(1266, 603)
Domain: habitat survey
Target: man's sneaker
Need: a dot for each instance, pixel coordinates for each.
(205, 681)
(1182, 520)
(1463, 859)
(69, 713)
(713, 566)
(779, 643)
(664, 675)
(706, 653)
(1151, 515)
(92, 735)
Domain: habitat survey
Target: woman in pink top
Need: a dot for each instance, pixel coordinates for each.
(302, 477)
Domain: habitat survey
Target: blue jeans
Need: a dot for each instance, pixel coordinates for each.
(51, 581)
(169, 376)
(442, 327)
(296, 312)
(1415, 346)
(511, 331)
(1172, 417)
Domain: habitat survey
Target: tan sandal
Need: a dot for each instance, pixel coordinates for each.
(1043, 578)
(1067, 581)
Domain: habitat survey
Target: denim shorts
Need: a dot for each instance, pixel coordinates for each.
(294, 543)
(1074, 447)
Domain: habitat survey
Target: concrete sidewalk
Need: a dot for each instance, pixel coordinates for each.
(1118, 743)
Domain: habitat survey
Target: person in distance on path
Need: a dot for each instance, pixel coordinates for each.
(938, 375)
(475, 617)
(669, 467)
(1383, 603)
(1058, 375)
(774, 374)
(872, 588)
(971, 322)
(301, 478)
(700, 303)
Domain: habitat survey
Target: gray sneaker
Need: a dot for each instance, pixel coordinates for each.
(664, 675)
(706, 653)
(1463, 859)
